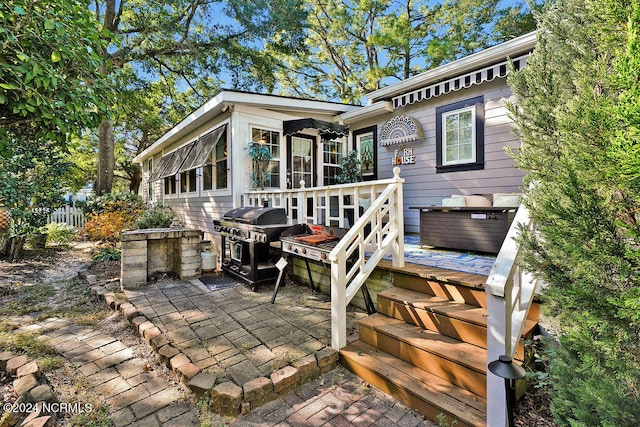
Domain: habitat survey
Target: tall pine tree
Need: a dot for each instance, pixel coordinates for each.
(578, 116)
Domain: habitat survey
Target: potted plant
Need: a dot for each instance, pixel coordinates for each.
(260, 157)
(351, 169)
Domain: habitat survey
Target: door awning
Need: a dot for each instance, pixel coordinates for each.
(202, 149)
(330, 129)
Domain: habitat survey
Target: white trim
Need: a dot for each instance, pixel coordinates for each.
(225, 100)
(365, 112)
(443, 139)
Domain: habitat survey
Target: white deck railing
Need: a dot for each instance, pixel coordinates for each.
(373, 212)
(510, 291)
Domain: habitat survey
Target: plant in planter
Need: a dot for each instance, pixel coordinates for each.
(260, 157)
(351, 169)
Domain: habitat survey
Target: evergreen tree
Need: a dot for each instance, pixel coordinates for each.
(578, 117)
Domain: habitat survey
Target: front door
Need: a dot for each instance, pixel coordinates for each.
(302, 160)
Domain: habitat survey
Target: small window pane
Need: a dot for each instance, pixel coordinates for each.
(466, 152)
(466, 119)
(207, 177)
(452, 121)
(452, 153)
(466, 136)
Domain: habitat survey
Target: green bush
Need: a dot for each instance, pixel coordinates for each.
(155, 217)
(59, 233)
(115, 202)
(108, 253)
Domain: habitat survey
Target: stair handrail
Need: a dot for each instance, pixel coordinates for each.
(510, 290)
(382, 237)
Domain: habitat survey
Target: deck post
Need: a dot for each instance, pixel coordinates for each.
(338, 305)
(496, 397)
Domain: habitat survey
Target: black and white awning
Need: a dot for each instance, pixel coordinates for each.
(330, 129)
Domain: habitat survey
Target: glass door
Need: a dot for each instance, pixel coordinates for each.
(302, 161)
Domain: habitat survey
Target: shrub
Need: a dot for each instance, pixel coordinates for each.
(108, 253)
(110, 214)
(107, 226)
(115, 202)
(155, 217)
(59, 233)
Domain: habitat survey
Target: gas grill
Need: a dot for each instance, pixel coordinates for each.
(315, 242)
(250, 242)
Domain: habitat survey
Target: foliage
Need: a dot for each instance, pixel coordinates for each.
(190, 43)
(59, 233)
(351, 169)
(355, 47)
(108, 253)
(118, 201)
(155, 217)
(260, 155)
(107, 226)
(50, 87)
(32, 183)
(578, 116)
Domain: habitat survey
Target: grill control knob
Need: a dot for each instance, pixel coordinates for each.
(323, 256)
(304, 251)
(289, 247)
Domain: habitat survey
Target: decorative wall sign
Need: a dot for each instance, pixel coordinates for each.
(403, 157)
(400, 129)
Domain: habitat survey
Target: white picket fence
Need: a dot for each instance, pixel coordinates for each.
(68, 215)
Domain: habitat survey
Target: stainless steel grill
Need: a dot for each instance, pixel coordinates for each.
(250, 242)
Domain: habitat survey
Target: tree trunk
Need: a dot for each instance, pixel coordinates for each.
(16, 244)
(136, 180)
(106, 158)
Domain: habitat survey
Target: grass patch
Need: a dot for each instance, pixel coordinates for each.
(27, 343)
(50, 363)
(25, 299)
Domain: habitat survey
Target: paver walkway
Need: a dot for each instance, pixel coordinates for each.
(136, 396)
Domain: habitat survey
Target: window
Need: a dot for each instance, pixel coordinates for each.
(222, 173)
(188, 181)
(150, 183)
(213, 159)
(460, 136)
(272, 140)
(170, 185)
(332, 153)
(365, 141)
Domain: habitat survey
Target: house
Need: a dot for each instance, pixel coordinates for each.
(405, 124)
(438, 138)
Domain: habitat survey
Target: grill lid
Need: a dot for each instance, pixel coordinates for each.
(257, 216)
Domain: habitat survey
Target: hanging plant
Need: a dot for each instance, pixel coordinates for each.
(260, 157)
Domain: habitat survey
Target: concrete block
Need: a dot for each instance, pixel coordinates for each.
(202, 383)
(178, 360)
(327, 359)
(188, 371)
(5, 356)
(43, 393)
(14, 363)
(226, 399)
(27, 369)
(166, 353)
(24, 384)
(307, 368)
(285, 380)
(259, 391)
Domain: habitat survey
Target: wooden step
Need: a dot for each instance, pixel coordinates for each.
(431, 395)
(458, 362)
(465, 288)
(456, 320)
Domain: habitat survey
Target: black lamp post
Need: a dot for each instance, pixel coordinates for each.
(505, 368)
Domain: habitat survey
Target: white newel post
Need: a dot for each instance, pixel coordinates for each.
(496, 397)
(338, 305)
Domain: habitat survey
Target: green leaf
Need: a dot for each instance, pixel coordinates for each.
(23, 57)
(19, 11)
(56, 56)
(9, 86)
(3, 98)
(49, 24)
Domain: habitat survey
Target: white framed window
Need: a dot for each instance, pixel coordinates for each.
(170, 185)
(459, 136)
(271, 139)
(188, 180)
(332, 154)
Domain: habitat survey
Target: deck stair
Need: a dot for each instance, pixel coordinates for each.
(426, 346)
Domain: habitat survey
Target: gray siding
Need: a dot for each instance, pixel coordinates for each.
(423, 186)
